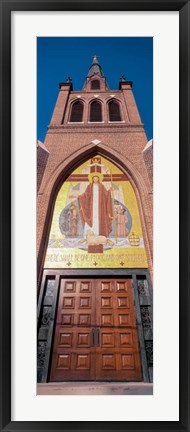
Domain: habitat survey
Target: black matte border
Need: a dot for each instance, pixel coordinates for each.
(6, 6)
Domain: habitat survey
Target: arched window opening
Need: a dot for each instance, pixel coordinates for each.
(95, 112)
(95, 85)
(114, 111)
(76, 112)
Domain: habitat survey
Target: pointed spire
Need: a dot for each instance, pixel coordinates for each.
(95, 60)
(95, 68)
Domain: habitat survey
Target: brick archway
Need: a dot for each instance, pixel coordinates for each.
(50, 187)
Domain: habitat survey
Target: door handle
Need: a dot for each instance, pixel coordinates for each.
(92, 337)
(98, 337)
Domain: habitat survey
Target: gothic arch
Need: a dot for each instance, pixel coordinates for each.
(93, 113)
(118, 105)
(65, 167)
(92, 99)
(74, 112)
(62, 172)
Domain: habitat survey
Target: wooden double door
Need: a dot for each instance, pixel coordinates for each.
(95, 335)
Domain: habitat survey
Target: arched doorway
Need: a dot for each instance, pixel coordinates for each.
(89, 298)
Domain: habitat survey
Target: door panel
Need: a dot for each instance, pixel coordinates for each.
(95, 335)
(117, 356)
(73, 352)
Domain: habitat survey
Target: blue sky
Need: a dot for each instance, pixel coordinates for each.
(60, 57)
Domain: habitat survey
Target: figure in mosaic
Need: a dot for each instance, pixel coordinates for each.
(73, 218)
(122, 220)
(95, 206)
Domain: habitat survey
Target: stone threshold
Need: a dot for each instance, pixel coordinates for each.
(95, 388)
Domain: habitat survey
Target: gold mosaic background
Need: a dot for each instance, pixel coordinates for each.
(68, 243)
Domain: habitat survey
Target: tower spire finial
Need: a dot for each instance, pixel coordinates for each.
(95, 67)
(95, 59)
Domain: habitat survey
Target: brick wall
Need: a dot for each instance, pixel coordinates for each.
(148, 158)
(42, 157)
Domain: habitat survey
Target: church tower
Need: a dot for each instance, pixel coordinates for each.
(94, 236)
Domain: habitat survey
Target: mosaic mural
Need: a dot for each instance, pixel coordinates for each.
(96, 221)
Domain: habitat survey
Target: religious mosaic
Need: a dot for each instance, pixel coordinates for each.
(96, 221)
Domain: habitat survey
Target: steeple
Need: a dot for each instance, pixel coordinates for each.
(95, 68)
(95, 79)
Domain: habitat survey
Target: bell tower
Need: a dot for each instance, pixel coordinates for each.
(94, 237)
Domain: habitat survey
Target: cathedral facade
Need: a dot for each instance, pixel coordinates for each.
(94, 237)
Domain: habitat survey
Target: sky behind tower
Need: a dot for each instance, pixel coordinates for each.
(60, 57)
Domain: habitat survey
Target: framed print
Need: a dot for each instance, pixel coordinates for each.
(85, 250)
(99, 227)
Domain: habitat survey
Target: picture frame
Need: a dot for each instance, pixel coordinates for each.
(5, 157)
